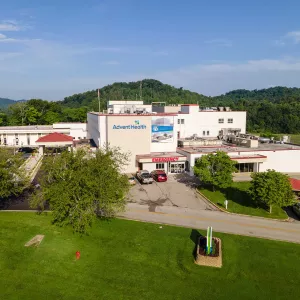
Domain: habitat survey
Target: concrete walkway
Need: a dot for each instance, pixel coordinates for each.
(31, 165)
(222, 222)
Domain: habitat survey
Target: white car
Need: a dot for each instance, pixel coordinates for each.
(144, 176)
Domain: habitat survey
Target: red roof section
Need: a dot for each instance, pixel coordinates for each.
(55, 137)
(295, 183)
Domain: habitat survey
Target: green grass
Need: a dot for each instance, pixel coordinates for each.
(295, 138)
(131, 260)
(240, 202)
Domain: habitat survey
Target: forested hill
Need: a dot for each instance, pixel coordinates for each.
(275, 110)
(152, 90)
(149, 90)
(4, 102)
(274, 94)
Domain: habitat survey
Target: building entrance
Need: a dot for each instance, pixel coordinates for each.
(175, 168)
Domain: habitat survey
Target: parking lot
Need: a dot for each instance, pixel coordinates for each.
(179, 191)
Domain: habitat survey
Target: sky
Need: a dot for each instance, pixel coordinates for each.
(53, 49)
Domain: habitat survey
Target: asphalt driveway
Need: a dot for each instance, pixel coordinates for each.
(178, 191)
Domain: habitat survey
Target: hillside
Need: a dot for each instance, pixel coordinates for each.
(274, 94)
(4, 102)
(151, 91)
(275, 110)
(155, 91)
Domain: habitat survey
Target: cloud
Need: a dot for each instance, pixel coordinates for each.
(11, 25)
(218, 78)
(294, 35)
(5, 39)
(279, 42)
(219, 42)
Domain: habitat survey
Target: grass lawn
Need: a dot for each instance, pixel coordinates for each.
(295, 138)
(240, 202)
(132, 260)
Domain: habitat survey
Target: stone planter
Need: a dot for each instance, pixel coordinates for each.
(214, 260)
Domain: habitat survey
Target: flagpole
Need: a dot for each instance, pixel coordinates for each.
(99, 99)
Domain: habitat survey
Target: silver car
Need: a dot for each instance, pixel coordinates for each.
(144, 176)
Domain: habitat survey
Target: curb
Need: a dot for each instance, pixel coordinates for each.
(231, 213)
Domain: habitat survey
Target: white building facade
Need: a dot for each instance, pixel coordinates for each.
(26, 136)
(149, 139)
(169, 141)
(209, 123)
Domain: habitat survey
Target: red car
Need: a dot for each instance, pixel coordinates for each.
(159, 175)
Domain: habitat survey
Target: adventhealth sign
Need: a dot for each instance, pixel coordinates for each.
(135, 126)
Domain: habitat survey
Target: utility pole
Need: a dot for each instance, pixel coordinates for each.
(99, 99)
(141, 88)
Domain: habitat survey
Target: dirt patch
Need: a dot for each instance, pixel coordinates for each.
(35, 241)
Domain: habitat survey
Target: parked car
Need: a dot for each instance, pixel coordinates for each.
(144, 176)
(296, 209)
(131, 180)
(159, 175)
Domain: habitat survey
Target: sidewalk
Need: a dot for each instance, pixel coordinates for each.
(30, 164)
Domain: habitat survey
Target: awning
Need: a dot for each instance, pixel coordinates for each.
(249, 159)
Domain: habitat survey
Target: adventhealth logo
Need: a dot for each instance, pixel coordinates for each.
(136, 125)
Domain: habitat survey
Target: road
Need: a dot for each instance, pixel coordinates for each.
(222, 222)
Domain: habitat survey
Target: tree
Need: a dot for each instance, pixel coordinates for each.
(32, 115)
(12, 176)
(18, 113)
(51, 117)
(80, 186)
(215, 169)
(271, 188)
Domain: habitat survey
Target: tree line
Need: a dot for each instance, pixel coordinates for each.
(275, 110)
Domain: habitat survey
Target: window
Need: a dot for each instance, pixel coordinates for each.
(160, 166)
(73, 137)
(207, 132)
(203, 133)
(230, 120)
(178, 121)
(182, 121)
(221, 121)
(79, 138)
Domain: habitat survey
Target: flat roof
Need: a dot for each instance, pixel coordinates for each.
(132, 115)
(232, 148)
(30, 127)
